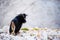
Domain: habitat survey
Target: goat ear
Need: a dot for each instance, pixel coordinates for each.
(24, 15)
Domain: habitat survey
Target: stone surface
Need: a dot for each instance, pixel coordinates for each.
(41, 13)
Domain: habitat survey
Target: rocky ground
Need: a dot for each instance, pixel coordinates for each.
(31, 34)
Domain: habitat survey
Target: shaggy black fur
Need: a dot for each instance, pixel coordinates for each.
(18, 21)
